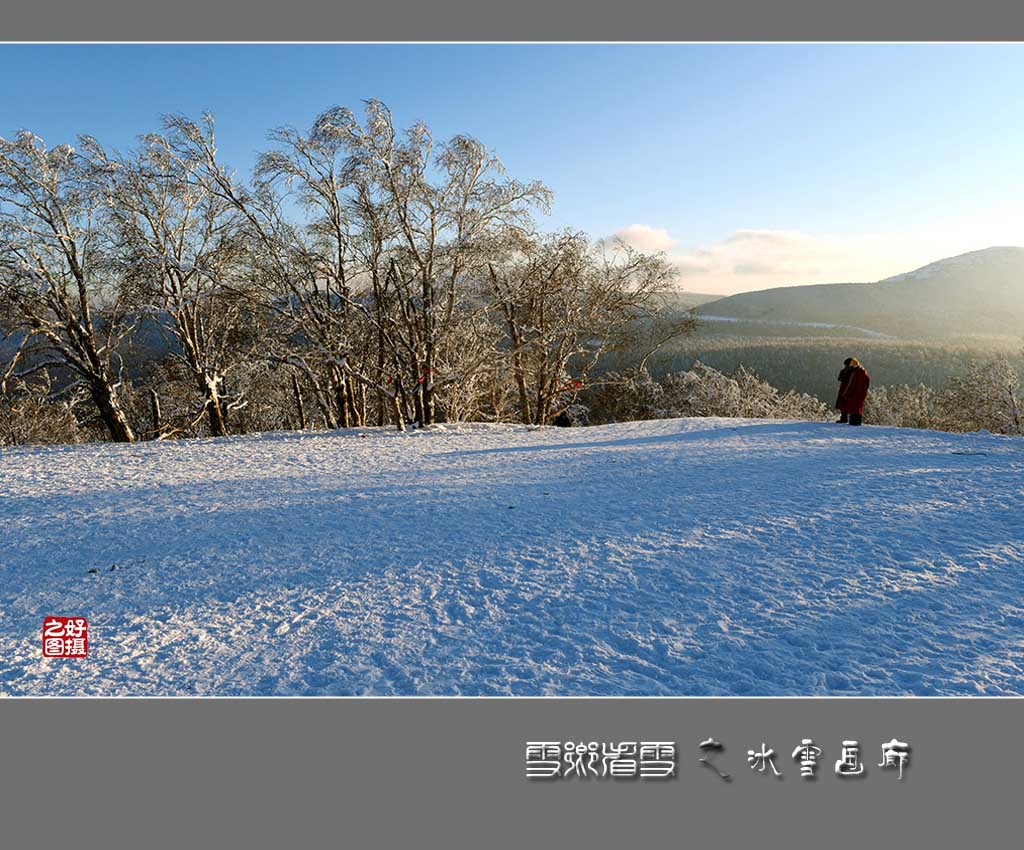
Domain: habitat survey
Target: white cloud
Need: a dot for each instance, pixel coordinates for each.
(782, 256)
(646, 238)
(751, 258)
(758, 259)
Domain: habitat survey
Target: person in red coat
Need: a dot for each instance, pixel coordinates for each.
(856, 392)
(844, 382)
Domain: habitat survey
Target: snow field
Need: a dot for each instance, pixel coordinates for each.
(683, 557)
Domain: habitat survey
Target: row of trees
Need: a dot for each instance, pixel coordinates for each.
(700, 391)
(989, 396)
(361, 276)
(810, 365)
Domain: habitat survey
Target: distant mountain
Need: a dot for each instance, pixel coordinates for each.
(685, 300)
(976, 294)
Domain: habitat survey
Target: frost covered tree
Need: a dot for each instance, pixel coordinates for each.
(293, 282)
(433, 210)
(563, 302)
(374, 280)
(903, 406)
(759, 399)
(56, 266)
(988, 396)
(701, 391)
(181, 250)
(627, 396)
(32, 412)
(331, 278)
(14, 346)
(28, 413)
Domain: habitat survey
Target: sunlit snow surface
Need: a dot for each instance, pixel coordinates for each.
(703, 556)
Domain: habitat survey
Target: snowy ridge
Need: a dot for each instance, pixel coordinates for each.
(961, 262)
(708, 556)
(980, 293)
(780, 323)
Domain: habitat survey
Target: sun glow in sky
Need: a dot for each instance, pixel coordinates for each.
(750, 165)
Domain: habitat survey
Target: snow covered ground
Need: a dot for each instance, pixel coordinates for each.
(670, 557)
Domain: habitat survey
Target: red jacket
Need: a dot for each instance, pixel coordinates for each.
(844, 382)
(856, 392)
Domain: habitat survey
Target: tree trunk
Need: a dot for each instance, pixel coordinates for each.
(417, 402)
(427, 373)
(299, 407)
(340, 398)
(403, 408)
(381, 396)
(427, 386)
(428, 401)
(396, 411)
(215, 413)
(524, 393)
(350, 397)
(105, 397)
(154, 411)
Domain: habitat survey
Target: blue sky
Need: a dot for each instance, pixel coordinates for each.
(751, 165)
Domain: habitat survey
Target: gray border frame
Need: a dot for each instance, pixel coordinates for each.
(523, 20)
(451, 773)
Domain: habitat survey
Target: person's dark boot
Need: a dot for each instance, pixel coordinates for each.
(856, 419)
(842, 418)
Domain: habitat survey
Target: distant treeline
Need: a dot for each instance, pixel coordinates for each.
(810, 365)
(988, 396)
